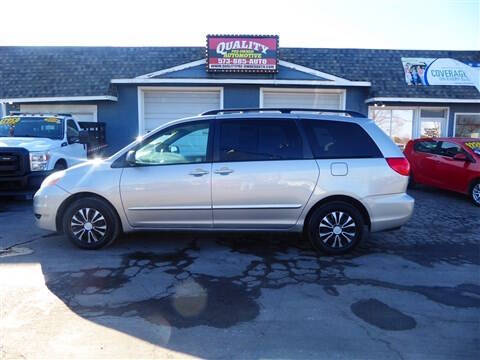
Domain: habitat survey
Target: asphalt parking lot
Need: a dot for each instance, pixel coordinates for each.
(412, 293)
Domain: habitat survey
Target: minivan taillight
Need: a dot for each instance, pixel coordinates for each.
(400, 165)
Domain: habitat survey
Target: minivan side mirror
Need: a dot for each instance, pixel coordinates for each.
(461, 157)
(130, 158)
(83, 137)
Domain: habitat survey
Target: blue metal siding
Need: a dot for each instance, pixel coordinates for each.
(121, 118)
(236, 96)
(356, 97)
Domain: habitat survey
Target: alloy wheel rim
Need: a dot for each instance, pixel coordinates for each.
(88, 225)
(337, 229)
(476, 193)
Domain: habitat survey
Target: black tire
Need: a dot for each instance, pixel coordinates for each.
(475, 193)
(60, 165)
(76, 218)
(344, 218)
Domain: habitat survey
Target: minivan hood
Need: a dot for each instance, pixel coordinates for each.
(91, 176)
(31, 144)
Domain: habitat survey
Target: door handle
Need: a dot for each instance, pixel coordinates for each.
(223, 171)
(198, 172)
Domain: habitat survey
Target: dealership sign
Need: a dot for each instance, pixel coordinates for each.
(242, 53)
(441, 71)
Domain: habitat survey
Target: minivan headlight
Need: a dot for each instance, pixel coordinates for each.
(39, 161)
(53, 179)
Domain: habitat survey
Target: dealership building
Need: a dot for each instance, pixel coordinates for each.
(135, 89)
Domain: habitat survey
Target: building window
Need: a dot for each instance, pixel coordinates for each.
(467, 125)
(405, 123)
(397, 123)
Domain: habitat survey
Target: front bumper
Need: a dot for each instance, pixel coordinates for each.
(389, 211)
(22, 185)
(46, 203)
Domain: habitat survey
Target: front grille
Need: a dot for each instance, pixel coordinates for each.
(9, 163)
(13, 162)
(11, 185)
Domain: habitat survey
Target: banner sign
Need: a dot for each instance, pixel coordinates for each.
(242, 53)
(441, 71)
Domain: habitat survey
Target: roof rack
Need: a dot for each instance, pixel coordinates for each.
(284, 111)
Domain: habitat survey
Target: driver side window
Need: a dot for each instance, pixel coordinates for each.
(72, 131)
(179, 144)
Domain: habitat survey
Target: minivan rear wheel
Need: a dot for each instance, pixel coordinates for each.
(336, 228)
(91, 223)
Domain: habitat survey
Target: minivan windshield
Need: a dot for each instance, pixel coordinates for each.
(29, 126)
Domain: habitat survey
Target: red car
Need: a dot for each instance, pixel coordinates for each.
(447, 163)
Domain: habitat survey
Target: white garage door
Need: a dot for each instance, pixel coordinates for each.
(302, 99)
(79, 112)
(162, 106)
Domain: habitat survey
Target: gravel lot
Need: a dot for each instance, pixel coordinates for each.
(412, 293)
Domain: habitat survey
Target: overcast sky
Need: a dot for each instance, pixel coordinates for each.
(395, 24)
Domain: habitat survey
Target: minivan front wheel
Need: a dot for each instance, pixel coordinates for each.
(90, 223)
(336, 228)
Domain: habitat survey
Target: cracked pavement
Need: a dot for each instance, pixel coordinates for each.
(412, 293)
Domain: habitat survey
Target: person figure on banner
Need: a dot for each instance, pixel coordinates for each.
(415, 78)
(421, 74)
(408, 75)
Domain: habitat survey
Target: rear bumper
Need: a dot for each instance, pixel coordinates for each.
(45, 206)
(389, 211)
(22, 185)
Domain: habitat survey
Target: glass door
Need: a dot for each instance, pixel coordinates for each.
(402, 126)
(432, 123)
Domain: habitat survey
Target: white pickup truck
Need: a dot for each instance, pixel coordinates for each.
(32, 146)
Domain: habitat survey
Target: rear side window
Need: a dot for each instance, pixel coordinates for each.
(339, 140)
(253, 140)
(426, 146)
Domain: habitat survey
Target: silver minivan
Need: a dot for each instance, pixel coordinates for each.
(332, 177)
